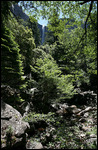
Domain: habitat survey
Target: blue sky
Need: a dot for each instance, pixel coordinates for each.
(44, 21)
(40, 20)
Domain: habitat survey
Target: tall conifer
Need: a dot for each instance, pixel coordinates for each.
(11, 64)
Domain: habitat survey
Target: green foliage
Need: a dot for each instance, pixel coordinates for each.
(35, 30)
(5, 10)
(52, 83)
(68, 8)
(84, 61)
(11, 63)
(49, 38)
(93, 131)
(9, 130)
(65, 86)
(35, 117)
(53, 69)
(55, 27)
(24, 38)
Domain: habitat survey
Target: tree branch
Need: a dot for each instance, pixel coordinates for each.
(90, 8)
(83, 2)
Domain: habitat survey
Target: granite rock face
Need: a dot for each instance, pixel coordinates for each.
(13, 129)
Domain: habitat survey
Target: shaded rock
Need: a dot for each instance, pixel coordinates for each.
(63, 106)
(84, 128)
(58, 106)
(61, 111)
(85, 110)
(32, 91)
(93, 136)
(86, 114)
(82, 135)
(73, 121)
(91, 141)
(12, 126)
(90, 120)
(88, 109)
(25, 108)
(76, 110)
(33, 145)
(73, 106)
(82, 120)
(73, 109)
(54, 107)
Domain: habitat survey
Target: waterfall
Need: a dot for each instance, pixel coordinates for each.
(43, 31)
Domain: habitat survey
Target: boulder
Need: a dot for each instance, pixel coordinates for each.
(63, 106)
(61, 112)
(33, 145)
(92, 141)
(13, 129)
(84, 128)
(93, 136)
(58, 106)
(73, 109)
(85, 110)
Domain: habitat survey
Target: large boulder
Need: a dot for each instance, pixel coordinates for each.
(33, 145)
(13, 128)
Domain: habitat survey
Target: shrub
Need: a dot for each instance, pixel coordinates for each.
(35, 117)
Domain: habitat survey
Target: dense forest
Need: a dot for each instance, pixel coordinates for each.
(52, 85)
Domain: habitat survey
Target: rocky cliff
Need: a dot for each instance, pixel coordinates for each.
(18, 12)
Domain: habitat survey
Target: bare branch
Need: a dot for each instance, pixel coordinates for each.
(90, 8)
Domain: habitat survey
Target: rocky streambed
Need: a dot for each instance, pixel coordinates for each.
(67, 127)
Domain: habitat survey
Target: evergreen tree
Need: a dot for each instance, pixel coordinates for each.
(11, 64)
(32, 23)
(24, 37)
(49, 39)
(55, 25)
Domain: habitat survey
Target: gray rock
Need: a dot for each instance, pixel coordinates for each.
(32, 91)
(63, 106)
(88, 109)
(61, 112)
(11, 123)
(93, 136)
(85, 110)
(84, 128)
(91, 141)
(33, 145)
(73, 106)
(86, 114)
(82, 135)
(82, 120)
(73, 109)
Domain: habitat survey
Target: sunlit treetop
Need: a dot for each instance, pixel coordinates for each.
(71, 9)
(78, 10)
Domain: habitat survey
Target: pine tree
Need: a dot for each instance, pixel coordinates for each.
(11, 64)
(32, 23)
